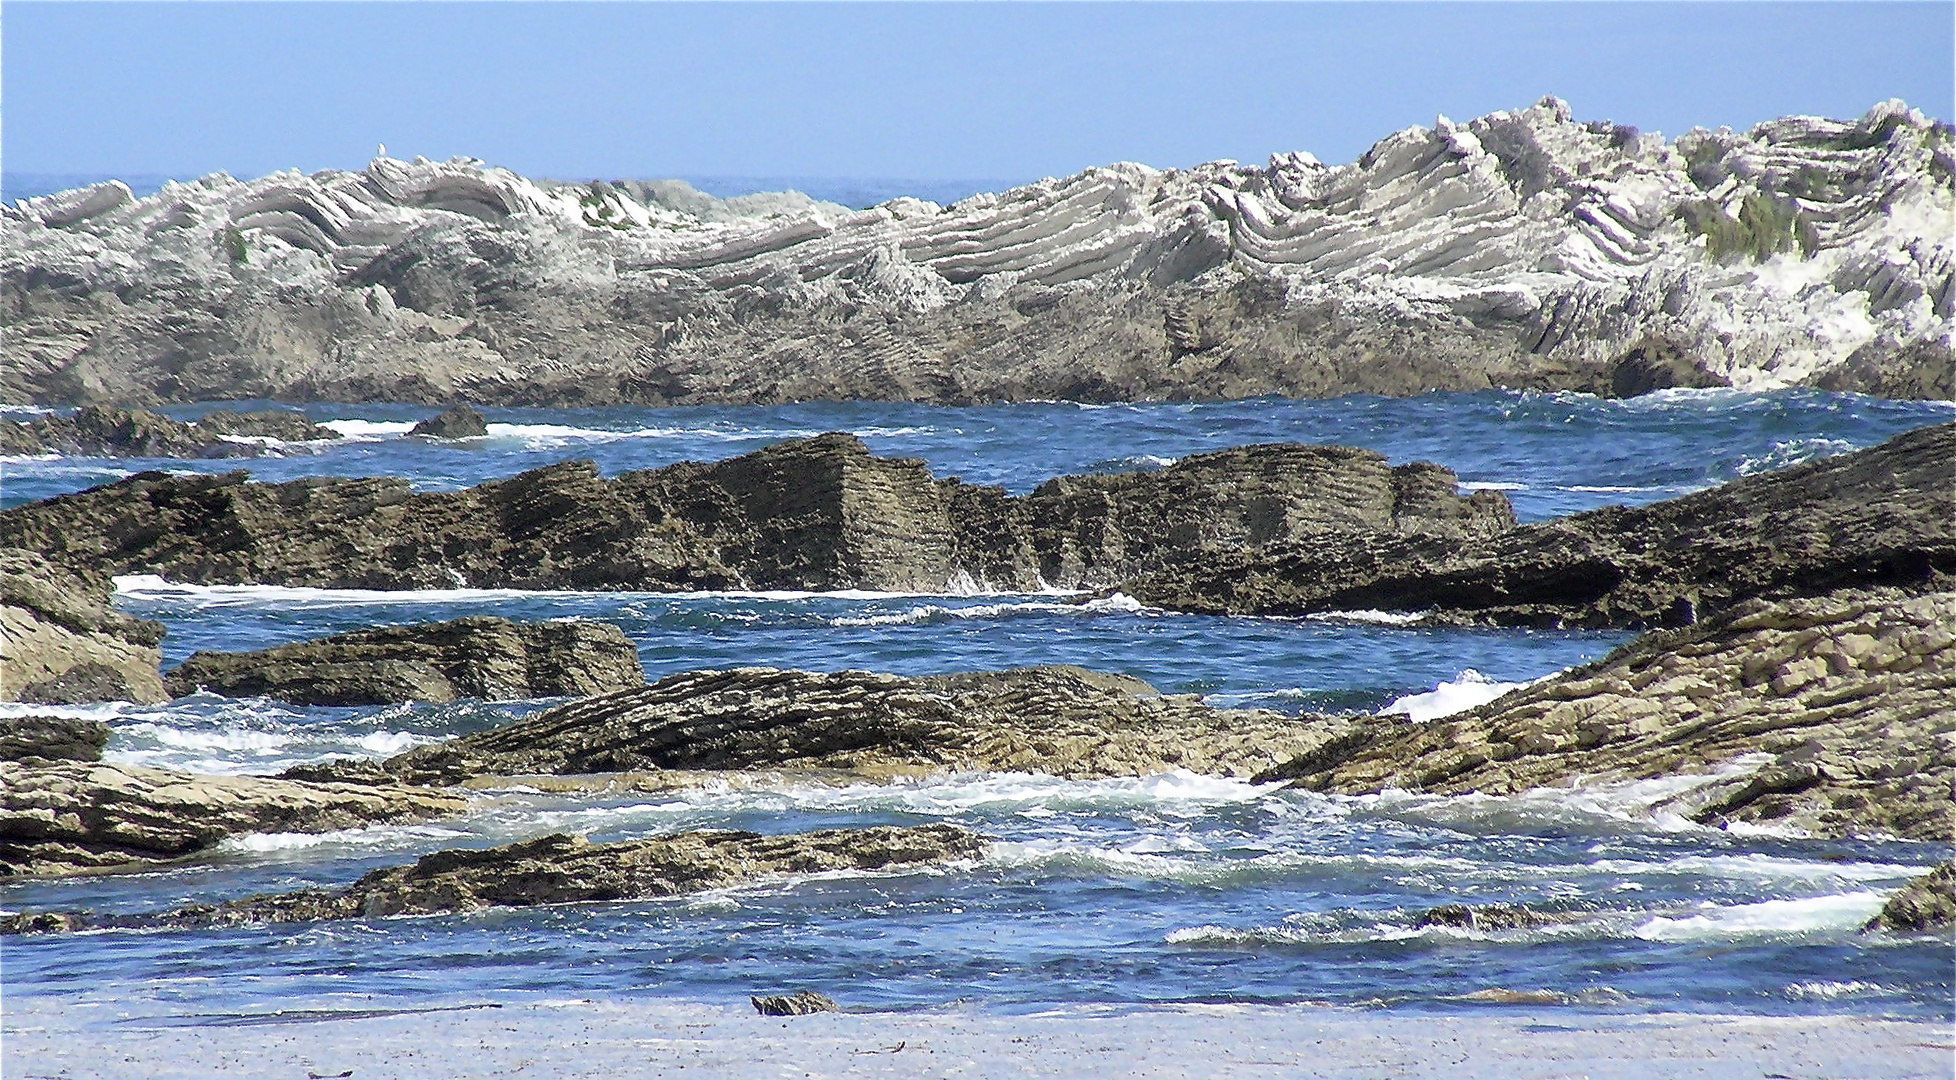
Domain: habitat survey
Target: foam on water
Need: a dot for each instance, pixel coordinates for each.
(1118, 603)
(1465, 691)
(1840, 913)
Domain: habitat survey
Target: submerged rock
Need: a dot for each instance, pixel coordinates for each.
(562, 869)
(1881, 516)
(821, 513)
(459, 422)
(1061, 721)
(105, 431)
(1828, 715)
(42, 740)
(480, 656)
(1489, 917)
(801, 1004)
(1927, 903)
(63, 817)
(65, 645)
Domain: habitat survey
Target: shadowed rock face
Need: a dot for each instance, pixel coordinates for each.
(1841, 701)
(63, 643)
(1524, 249)
(561, 869)
(481, 657)
(1058, 720)
(819, 513)
(1927, 903)
(43, 740)
(1881, 516)
(62, 817)
(102, 431)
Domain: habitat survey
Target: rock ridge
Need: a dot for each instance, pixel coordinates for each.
(63, 643)
(105, 431)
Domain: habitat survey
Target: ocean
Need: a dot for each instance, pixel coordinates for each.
(1172, 888)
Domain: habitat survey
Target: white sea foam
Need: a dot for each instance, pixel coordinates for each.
(1491, 485)
(1118, 603)
(368, 430)
(1790, 452)
(1828, 989)
(1842, 912)
(1465, 691)
(1370, 616)
(370, 836)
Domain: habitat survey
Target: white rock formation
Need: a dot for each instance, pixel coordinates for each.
(1521, 249)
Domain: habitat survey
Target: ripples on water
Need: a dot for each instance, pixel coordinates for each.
(1170, 888)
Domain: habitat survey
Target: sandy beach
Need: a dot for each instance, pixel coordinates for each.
(675, 1038)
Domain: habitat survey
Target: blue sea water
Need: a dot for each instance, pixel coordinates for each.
(1168, 888)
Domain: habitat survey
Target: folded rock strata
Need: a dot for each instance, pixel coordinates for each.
(1927, 903)
(68, 816)
(1829, 714)
(62, 644)
(1062, 721)
(104, 431)
(1881, 516)
(561, 869)
(819, 513)
(1522, 249)
(481, 656)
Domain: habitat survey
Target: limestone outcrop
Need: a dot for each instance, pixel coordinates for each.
(64, 817)
(562, 869)
(1061, 721)
(480, 656)
(1881, 516)
(1524, 249)
(63, 644)
(105, 431)
(1829, 714)
(1926, 904)
(819, 513)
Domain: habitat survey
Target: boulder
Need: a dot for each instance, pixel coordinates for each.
(562, 869)
(1829, 715)
(821, 513)
(480, 656)
(64, 644)
(107, 431)
(1881, 516)
(69, 816)
(458, 422)
(1062, 721)
(801, 1004)
(1927, 904)
(42, 740)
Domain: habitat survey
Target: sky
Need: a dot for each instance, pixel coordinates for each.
(1013, 91)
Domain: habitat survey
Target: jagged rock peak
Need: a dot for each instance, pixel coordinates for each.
(1520, 248)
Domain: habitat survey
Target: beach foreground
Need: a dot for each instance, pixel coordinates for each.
(55, 1037)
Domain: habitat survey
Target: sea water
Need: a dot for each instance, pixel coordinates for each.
(1172, 888)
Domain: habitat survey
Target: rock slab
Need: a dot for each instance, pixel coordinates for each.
(43, 740)
(1927, 904)
(1829, 715)
(108, 431)
(479, 656)
(63, 643)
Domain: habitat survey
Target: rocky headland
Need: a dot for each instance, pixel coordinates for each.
(107, 431)
(480, 656)
(821, 513)
(1829, 715)
(64, 644)
(1881, 516)
(559, 869)
(1062, 721)
(1524, 249)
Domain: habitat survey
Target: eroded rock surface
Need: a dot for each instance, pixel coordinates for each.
(459, 422)
(1525, 249)
(62, 642)
(63, 817)
(42, 740)
(481, 656)
(1057, 720)
(1927, 903)
(562, 869)
(1881, 516)
(103, 431)
(819, 513)
(1829, 715)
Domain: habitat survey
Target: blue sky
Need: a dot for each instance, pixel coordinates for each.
(1011, 91)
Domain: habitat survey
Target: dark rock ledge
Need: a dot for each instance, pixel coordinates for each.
(480, 656)
(1926, 904)
(106, 431)
(559, 869)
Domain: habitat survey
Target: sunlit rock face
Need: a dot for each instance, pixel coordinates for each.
(1523, 249)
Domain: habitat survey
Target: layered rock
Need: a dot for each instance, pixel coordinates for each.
(1829, 715)
(819, 513)
(1522, 249)
(69, 816)
(1881, 516)
(103, 431)
(460, 422)
(43, 740)
(1061, 721)
(63, 643)
(1927, 903)
(561, 869)
(480, 657)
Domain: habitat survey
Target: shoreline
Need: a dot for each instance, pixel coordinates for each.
(53, 1036)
